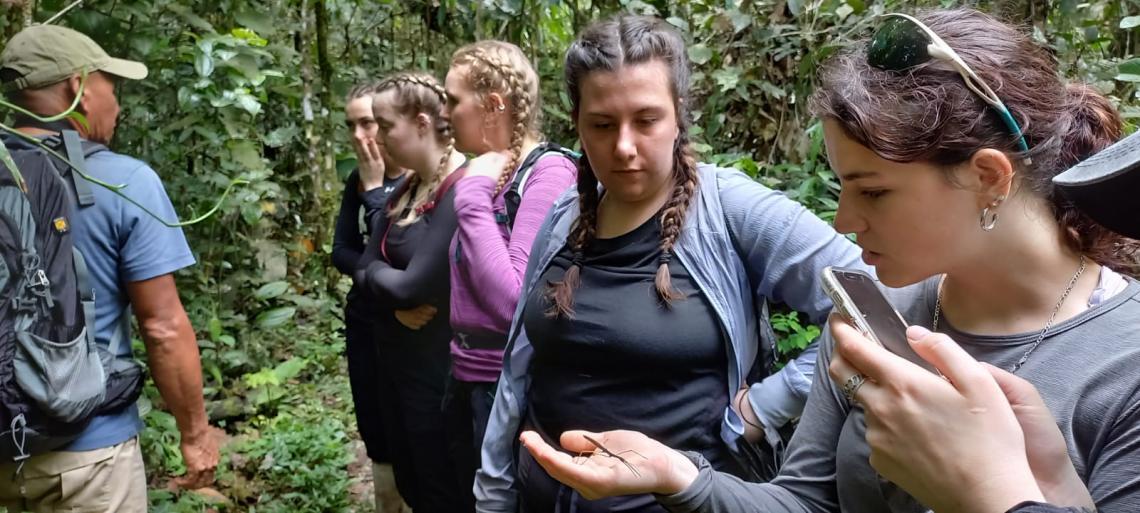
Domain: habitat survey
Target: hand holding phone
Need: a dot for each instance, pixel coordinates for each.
(858, 299)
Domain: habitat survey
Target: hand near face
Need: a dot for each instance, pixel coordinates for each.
(954, 443)
(490, 164)
(648, 466)
(370, 159)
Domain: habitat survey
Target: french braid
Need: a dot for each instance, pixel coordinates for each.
(496, 66)
(416, 93)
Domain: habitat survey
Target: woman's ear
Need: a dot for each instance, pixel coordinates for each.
(494, 102)
(990, 173)
(423, 124)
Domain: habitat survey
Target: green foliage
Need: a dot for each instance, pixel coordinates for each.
(794, 336)
(305, 460)
(254, 90)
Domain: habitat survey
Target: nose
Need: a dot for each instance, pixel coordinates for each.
(847, 218)
(626, 147)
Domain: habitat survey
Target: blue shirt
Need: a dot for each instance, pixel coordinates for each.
(121, 244)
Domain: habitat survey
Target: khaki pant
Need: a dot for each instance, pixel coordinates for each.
(388, 499)
(108, 480)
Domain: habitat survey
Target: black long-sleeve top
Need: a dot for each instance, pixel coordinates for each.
(415, 270)
(353, 225)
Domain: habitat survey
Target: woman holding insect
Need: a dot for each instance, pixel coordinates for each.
(947, 188)
(644, 298)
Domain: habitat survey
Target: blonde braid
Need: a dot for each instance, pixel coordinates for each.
(502, 67)
(409, 103)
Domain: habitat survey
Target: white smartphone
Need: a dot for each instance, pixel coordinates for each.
(857, 297)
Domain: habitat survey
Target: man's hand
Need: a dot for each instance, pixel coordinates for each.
(200, 452)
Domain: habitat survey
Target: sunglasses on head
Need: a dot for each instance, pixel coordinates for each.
(903, 42)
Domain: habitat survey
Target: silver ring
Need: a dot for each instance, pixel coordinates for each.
(851, 386)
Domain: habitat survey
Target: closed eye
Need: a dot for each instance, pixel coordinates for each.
(873, 193)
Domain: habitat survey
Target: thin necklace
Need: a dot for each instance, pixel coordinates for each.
(1040, 336)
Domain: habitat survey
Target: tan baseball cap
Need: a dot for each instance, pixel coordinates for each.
(42, 55)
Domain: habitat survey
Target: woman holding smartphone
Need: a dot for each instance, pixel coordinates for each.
(915, 446)
(954, 208)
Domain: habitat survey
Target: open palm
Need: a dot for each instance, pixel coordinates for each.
(620, 463)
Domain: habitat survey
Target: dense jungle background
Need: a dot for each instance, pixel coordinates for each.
(254, 89)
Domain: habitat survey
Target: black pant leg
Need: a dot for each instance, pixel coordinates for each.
(423, 377)
(363, 360)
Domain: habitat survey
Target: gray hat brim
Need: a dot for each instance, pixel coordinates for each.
(127, 69)
(1106, 186)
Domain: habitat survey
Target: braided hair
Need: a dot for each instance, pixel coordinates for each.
(607, 46)
(497, 66)
(416, 93)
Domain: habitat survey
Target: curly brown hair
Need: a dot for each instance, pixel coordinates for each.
(927, 114)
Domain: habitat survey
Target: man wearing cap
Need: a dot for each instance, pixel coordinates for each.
(131, 258)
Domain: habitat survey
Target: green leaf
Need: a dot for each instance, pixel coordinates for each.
(214, 327)
(727, 78)
(740, 20)
(271, 290)
(1128, 77)
(700, 54)
(203, 64)
(275, 317)
(245, 154)
(6, 158)
(290, 368)
(1130, 22)
(678, 22)
(844, 11)
(1131, 67)
(193, 19)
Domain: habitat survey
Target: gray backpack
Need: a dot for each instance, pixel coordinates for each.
(54, 378)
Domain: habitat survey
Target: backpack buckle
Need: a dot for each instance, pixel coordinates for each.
(39, 281)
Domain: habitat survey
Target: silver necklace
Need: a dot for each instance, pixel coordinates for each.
(1040, 336)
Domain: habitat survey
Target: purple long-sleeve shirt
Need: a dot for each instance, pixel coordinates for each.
(486, 277)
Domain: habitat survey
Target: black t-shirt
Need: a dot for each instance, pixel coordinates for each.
(625, 361)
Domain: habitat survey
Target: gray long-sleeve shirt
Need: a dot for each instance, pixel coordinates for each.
(1087, 370)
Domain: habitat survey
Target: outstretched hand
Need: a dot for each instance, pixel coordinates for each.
(620, 463)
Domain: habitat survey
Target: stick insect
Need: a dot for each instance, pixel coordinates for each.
(610, 454)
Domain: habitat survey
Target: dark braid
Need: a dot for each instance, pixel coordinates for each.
(673, 215)
(561, 293)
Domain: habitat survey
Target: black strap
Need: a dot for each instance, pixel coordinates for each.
(77, 157)
(76, 148)
(513, 196)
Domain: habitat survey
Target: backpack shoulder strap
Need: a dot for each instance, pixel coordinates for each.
(513, 195)
(77, 153)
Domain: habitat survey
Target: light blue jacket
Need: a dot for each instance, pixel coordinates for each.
(743, 244)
